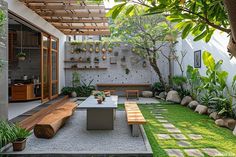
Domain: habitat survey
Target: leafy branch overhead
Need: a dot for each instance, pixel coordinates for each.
(199, 18)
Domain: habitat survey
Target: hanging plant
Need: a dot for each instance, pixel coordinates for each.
(88, 59)
(133, 50)
(96, 60)
(127, 71)
(104, 47)
(97, 49)
(21, 56)
(90, 45)
(104, 57)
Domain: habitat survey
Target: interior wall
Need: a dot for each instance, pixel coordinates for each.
(115, 73)
(21, 10)
(217, 46)
(4, 72)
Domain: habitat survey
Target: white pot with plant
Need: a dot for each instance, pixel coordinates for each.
(21, 56)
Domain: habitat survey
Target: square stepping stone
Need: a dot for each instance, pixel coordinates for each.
(174, 152)
(163, 136)
(179, 136)
(162, 120)
(159, 117)
(168, 125)
(212, 152)
(195, 136)
(184, 144)
(173, 130)
(193, 152)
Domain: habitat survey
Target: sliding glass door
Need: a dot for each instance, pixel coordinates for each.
(49, 67)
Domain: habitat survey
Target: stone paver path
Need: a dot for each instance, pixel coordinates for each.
(195, 136)
(184, 143)
(212, 152)
(162, 120)
(193, 152)
(179, 136)
(174, 152)
(164, 136)
(173, 130)
(159, 117)
(181, 140)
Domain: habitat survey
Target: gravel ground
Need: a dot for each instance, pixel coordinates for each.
(74, 137)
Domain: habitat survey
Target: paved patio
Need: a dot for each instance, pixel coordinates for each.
(73, 138)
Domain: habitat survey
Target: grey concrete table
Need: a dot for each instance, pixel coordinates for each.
(100, 116)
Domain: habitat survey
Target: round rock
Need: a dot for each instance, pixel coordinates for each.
(186, 100)
(173, 96)
(147, 94)
(201, 109)
(214, 115)
(193, 104)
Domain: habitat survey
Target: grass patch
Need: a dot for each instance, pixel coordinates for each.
(188, 122)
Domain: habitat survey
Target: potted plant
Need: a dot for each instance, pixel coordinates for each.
(21, 56)
(96, 60)
(20, 137)
(97, 49)
(6, 135)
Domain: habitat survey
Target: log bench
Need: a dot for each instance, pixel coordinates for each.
(52, 122)
(134, 117)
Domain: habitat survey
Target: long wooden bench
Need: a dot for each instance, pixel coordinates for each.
(52, 122)
(134, 117)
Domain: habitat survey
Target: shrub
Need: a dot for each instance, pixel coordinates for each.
(157, 87)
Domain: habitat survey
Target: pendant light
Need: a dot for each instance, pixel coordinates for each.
(21, 55)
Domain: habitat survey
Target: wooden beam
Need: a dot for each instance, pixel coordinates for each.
(51, 1)
(64, 7)
(87, 33)
(103, 20)
(75, 14)
(82, 27)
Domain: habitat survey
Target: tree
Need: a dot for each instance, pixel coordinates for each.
(147, 35)
(200, 18)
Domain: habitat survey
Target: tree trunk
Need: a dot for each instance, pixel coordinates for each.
(230, 6)
(155, 67)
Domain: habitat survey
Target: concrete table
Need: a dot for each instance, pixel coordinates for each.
(100, 116)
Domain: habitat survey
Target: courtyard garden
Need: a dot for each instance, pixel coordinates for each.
(157, 78)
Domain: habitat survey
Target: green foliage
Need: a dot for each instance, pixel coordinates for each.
(215, 80)
(83, 90)
(179, 81)
(6, 135)
(19, 133)
(11, 132)
(198, 18)
(75, 79)
(208, 100)
(157, 87)
(194, 80)
(21, 54)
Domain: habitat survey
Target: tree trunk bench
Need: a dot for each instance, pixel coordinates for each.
(134, 117)
(52, 122)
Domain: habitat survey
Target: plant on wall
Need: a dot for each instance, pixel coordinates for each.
(90, 46)
(147, 34)
(127, 71)
(75, 79)
(104, 45)
(97, 46)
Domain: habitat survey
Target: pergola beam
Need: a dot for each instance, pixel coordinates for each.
(83, 27)
(72, 14)
(87, 32)
(103, 20)
(63, 7)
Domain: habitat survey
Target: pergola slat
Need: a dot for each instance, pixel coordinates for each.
(67, 16)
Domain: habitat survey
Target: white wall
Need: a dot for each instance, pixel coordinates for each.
(217, 46)
(20, 9)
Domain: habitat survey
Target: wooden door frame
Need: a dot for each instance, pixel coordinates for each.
(49, 62)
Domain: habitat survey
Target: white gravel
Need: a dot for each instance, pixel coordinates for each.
(74, 137)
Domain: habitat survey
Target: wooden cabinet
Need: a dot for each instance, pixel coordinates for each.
(23, 92)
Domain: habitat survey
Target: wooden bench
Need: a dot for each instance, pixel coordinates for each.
(134, 117)
(52, 122)
(132, 92)
(120, 87)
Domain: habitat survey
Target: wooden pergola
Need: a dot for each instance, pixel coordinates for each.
(72, 17)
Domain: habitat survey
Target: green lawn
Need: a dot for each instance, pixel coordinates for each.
(189, 123)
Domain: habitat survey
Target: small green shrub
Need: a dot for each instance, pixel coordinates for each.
(19, 133)
(6, 135)
(68, 90)
(157, 87)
